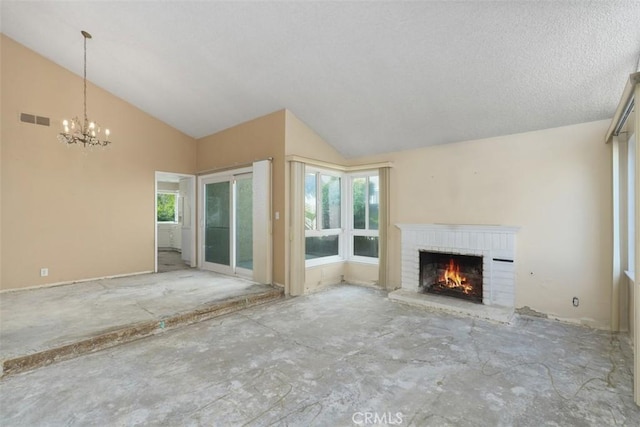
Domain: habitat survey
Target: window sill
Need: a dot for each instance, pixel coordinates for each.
(315, 262)
(363, 260)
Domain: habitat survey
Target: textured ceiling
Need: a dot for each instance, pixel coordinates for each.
(369, 77)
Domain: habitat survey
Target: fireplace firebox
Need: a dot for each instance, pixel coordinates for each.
(451, 275)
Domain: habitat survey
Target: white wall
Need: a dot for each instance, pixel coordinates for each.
(169, 236)
(555, 184)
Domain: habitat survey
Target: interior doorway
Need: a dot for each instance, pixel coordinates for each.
(175, 216)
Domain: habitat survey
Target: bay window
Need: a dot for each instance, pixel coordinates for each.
(341, 216)
(323, 215)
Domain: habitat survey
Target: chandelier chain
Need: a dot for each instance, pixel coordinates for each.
(86, 120)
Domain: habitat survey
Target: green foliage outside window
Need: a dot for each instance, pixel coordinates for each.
(362, 196)
(366, 194)
(166, 207)
(310, 201)
(329, 202)
(331, 213)
(359, 203)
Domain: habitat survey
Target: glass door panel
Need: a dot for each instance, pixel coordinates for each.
(217, 227)
(244, 222)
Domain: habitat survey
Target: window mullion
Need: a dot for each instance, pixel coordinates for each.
(176, 201)
(366, 203)
(318, 203)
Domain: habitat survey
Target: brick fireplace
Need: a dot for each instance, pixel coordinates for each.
(493, 246)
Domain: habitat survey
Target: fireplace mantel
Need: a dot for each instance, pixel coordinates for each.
(459, 227)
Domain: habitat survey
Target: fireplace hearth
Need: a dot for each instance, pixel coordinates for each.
(452, 275)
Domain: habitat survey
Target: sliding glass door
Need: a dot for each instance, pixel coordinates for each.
(227, 225)
(243, 191)
(217, 226)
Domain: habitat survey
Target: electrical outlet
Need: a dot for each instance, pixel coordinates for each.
(576, 301)
(44, 272)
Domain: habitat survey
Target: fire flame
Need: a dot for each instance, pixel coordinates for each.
(452, 278)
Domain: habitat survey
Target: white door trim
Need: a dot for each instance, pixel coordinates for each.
(192, 178)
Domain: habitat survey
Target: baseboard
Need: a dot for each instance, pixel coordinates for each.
(169, 249)
(71, 282)
(364, 283)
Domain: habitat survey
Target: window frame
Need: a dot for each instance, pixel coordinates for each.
(632, 146)
(366, 232)
(318, 231)
(176, 195)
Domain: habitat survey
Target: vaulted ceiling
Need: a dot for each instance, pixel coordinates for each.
(369, 77)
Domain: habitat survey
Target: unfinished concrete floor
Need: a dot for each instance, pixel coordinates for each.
(43, 324)
(169, 260)
(332, 359)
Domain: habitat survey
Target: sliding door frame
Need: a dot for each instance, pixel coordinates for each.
(230, 177)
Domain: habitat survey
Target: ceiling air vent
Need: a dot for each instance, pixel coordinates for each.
(34, 120)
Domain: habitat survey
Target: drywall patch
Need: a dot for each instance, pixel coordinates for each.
(528, 311)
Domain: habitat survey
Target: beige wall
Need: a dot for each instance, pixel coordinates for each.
(256, 139)
(321, 276)
(303, 141)
(355, 273)
(361, 274)
(80, 214)
(555, 184)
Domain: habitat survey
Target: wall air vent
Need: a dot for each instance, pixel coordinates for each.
(43, 121)
(27, 118)
(34, 120)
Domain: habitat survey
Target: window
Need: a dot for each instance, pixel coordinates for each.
(322, 214)
(167, 210)
(327, 215)
(365, 191)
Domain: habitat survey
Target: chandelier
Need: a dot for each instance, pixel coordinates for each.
(83, 132)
